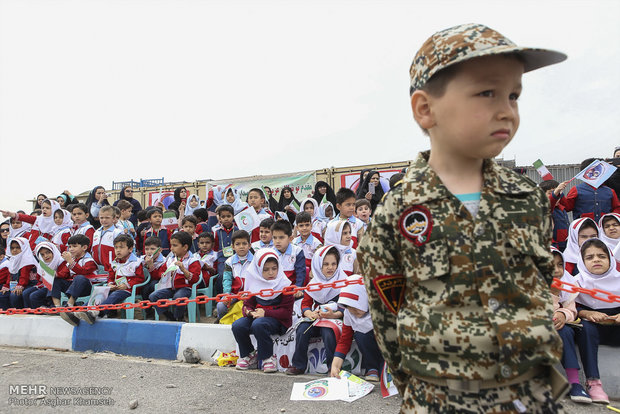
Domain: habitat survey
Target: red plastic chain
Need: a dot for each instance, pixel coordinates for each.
(162, 303)
(288, 290)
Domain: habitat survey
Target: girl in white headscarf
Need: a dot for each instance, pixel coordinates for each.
(41, 225)
(579, 231)
(264, 315)
(62, 229)
(600, 320)
(610, 230)
(320, 307)
(357, 324)
(338, 233)
(310, 206)
(48, 253)
(21, 265)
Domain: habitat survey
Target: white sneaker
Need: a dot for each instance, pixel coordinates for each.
(88, 316)
(250, 361)
(269, 365)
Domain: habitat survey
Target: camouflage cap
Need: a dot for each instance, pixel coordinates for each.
(467, 41)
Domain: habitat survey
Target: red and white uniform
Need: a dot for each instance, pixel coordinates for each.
(103, 246)
(86, 229)
(128, 271)
(85, 266)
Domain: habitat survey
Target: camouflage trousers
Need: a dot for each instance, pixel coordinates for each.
(532, 396)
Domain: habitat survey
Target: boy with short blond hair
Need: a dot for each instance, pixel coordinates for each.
(456, 261)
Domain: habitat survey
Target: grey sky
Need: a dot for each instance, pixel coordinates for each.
(98, 91)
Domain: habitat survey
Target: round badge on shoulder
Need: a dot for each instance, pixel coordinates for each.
(416, 224)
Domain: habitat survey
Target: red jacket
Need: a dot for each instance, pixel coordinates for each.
(32, 235)
(85, 266)
(192, 265)
(280, 308)
(131, 269)
(24, 276)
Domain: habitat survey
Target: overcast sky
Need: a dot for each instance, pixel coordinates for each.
(98, 91)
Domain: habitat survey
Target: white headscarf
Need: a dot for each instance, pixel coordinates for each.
(218, 195)
(190, 210)
(324, 295)
(237, 205)
(608, 281)
(355, 296)
(565, 297)
(572, 252)
(322, 216)
(25, 228)
(611, 243)
(67, 223)
(254, 280)
(333, 235)
(22, 259)
(56, 259)
(315, 214)
(44, 225)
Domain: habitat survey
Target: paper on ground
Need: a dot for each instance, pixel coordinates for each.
(325, 389)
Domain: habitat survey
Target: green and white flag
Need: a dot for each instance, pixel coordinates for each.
(294, 206)
(542, 170)
(48, 275)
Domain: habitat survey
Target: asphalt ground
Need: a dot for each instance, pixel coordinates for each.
(164, 386)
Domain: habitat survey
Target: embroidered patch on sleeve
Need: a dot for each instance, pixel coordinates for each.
(391, 289)
(416, 224)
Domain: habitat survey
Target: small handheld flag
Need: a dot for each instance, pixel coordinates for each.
(542, 170)
(169, 221)
(48, 275)
(294, 206)
(247, 219)
(596, 173)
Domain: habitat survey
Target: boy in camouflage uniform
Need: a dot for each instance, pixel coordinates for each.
(456, 261)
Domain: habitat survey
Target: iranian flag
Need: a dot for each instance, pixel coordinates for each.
(48, 275)
(169, 221)
(542, 170)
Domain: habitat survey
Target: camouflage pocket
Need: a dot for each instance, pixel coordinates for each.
(429, 261)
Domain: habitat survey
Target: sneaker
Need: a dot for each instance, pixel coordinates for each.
(578, 394)
(69, 318)
(372, 375)
(247, 362)
(269, 365)
(292, 370)
(595, 389)
(88, 316)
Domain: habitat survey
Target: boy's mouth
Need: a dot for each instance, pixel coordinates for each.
(501, 134)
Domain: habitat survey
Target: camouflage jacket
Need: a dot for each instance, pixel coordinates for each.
(452, 296)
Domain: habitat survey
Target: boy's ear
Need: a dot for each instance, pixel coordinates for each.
(421, 107)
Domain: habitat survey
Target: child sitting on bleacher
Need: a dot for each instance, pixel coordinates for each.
(263, 315)
(153, 261)
(597, 270)
(126, 272)
(357, 325)
(21, 266)
(319, 306)
(233, 280)
(338, 234)
(178, 274)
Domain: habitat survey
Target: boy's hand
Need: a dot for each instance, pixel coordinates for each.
(122, 287)
(558, 190)
(18, 290)
(259, 313)
(299, 294)
(4, 289)
(336, 367)
(6, 213)
(180, 265)
(559, 320)
(148, 261)
(66, 256)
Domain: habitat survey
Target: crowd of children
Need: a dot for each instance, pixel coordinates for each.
(309, 241)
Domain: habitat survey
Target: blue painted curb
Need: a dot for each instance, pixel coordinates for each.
(147, 339)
